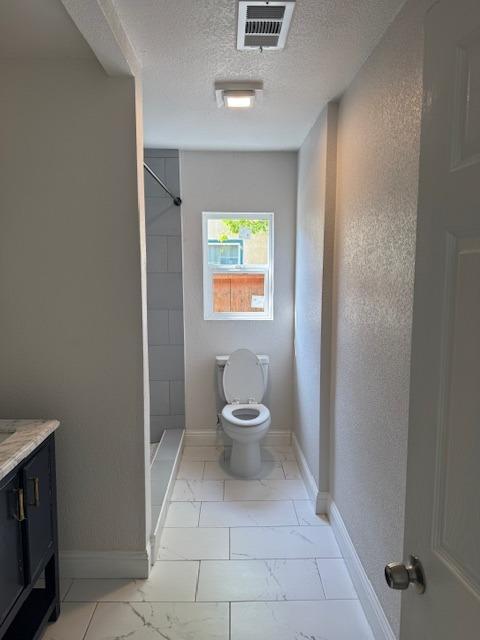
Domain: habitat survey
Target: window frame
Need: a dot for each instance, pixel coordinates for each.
(209, 270)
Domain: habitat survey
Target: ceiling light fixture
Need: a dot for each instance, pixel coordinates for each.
(238, 95)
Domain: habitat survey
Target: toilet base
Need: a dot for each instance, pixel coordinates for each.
(245, 460)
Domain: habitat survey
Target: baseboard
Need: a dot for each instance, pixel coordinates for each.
(217, 437)
(105, 564)
(371, 605)
(157, 530)
(319, 498)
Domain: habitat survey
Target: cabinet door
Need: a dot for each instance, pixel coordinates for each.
(11, 566)
(37, 483)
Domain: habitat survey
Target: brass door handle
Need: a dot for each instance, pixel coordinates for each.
(20, 515)
(36, 492)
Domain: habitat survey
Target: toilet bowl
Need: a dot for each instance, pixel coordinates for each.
(244, 418)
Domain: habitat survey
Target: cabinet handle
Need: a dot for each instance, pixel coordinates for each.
(36, 492)
(20, 515)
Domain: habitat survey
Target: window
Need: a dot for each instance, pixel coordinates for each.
(238, 266)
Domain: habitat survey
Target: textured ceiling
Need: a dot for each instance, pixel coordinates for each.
(39, 29)
(185, 45)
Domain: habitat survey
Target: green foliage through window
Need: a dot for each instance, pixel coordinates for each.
(255, 226)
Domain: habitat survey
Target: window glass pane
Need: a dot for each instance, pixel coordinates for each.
(225, 253)
(238, 241)
(237, 292)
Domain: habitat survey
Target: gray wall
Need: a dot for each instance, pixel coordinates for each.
(238, 181)
(70, 289)
(378, 151)
(313, 292)
(165, 314)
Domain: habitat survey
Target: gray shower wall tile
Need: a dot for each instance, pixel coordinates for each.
(152, 188)
(166, 362)
(157, 254)
(164, 291)
(175, 327)
(165, 295)
(172, 178)
(174, 254)
(159, 423)
(177, 397)
(158, 326)
(159, 398)
(162, 217)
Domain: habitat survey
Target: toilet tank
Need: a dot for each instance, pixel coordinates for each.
(220, 362)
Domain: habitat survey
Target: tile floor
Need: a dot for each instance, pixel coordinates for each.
(238, 560)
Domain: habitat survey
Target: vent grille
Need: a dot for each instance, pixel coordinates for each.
(265, 13)
(263, 26)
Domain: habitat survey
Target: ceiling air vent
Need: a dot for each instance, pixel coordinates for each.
(263, 25)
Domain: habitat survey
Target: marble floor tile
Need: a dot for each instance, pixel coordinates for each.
(321, 620)
(265, 490)
(306, 514)
(197, 490)
(72, 623)
(183, 514)
(283, 542)
(291, 470)
(168, 582)
(203, 453)
(143, 621)
(215, 470)
(194, 544)
(191, 470)
(248, 513)
(336, 579)
(240, 580)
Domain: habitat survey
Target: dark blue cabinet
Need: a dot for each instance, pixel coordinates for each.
(11, 554)
(37, 483)
(29, 547)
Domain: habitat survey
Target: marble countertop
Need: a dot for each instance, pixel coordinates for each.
(25, 438)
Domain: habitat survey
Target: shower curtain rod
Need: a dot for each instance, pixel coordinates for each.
(177, 201)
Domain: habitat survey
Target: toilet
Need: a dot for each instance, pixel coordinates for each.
(242, 380)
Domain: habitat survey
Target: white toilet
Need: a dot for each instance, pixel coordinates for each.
(242, 380)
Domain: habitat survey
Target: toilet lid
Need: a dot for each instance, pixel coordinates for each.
(243, 377)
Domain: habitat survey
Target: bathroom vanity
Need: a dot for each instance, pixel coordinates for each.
(29, 585)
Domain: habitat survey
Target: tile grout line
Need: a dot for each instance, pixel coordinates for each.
(90, 621)
(229, 621)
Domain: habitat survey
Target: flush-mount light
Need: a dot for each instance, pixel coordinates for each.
(239, 99)
(238, 95)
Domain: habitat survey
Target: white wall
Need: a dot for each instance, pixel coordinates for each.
(237, 181)
(70, 289)
(313, 291)
(377, 183)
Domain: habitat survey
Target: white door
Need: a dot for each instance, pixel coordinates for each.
(443, 480)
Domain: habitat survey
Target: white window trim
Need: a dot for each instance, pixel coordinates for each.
(208, 270)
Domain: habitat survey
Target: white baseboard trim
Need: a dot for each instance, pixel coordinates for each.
(309, 480)
(155, 537)
(105, 564)
(368, 598)
(216, 437)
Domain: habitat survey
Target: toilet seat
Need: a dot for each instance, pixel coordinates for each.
(243, 379)
(230, 409)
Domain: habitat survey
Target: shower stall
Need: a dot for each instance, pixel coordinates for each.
(165, 325)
